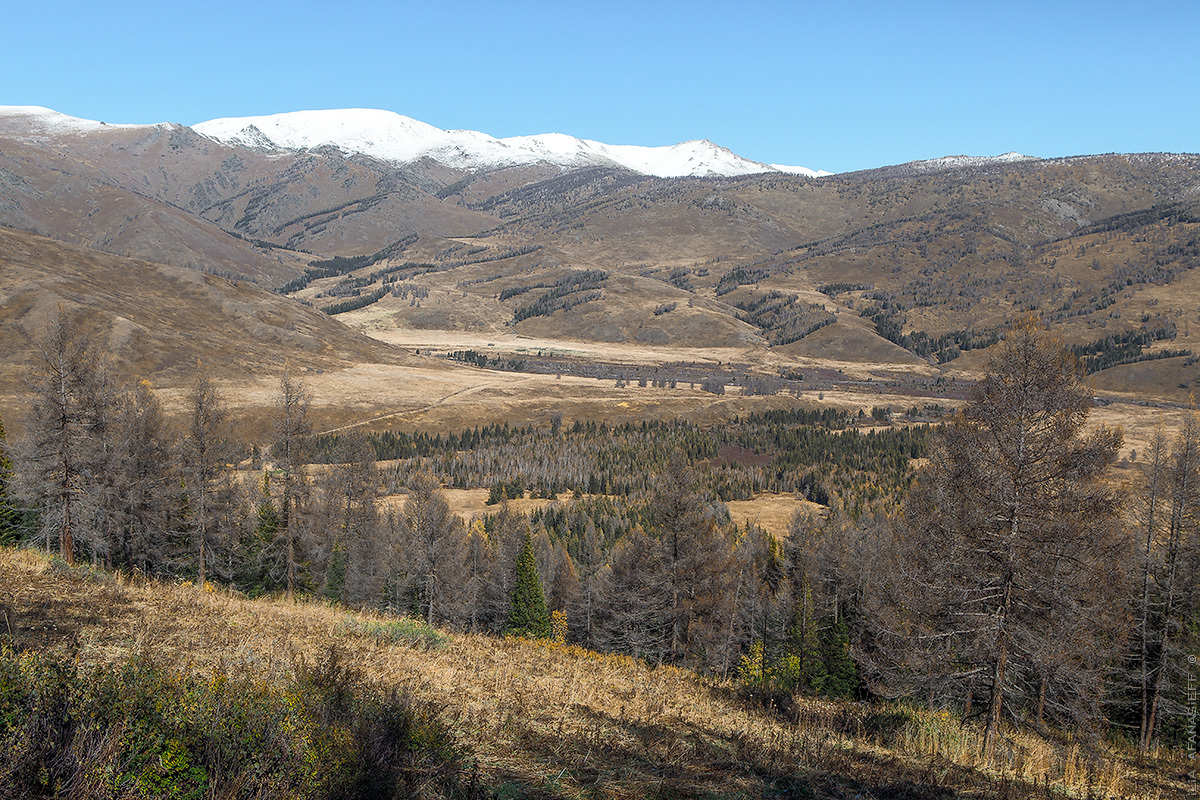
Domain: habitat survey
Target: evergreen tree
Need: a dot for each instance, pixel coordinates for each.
(528, 615)
(840, 672)
(253, 574)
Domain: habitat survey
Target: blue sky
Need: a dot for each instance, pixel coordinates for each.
(841, 86)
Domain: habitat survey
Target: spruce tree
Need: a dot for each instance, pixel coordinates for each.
(841, 674)
(528, 616)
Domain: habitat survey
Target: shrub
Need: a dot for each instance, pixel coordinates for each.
(142, 729)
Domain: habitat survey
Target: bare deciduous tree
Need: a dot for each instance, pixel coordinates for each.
(204, 454)
(436, 548)
(1013, 558)
(69, 430)
(292, 433)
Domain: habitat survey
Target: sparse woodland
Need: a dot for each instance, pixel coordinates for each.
(1010, 581)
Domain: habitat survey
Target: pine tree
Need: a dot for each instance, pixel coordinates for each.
(528, 616)
(253, 574)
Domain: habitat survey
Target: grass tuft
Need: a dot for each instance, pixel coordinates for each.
(405, 630)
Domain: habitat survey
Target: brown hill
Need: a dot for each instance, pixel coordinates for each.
(158, 320)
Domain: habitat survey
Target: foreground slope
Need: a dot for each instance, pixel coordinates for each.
(548, 721)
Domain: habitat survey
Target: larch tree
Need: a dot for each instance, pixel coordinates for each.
(69, 435)
(589, 569)
(1149, 513)
(506, 535)
(1012, 556)
(435, 545)
(359, 547)
(292, 433)
(696, 556)
(204, 454)
(1172, 542)
(142, 478)
(9, 514)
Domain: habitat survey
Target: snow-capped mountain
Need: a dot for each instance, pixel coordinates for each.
(394, 137)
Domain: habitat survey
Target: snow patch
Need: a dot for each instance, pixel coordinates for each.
(960, 162)
(44, 121)
(810, 173)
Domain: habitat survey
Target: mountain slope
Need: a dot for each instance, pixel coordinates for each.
(158, 320)
(928, 259)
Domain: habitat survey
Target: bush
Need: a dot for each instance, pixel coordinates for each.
(142, 729)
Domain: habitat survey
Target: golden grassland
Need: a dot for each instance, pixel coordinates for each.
(548, 720)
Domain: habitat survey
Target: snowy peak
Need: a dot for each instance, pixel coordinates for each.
(382, 134)
(394, 137)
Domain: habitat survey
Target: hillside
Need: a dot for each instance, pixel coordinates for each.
(156, 321)
(523, 719)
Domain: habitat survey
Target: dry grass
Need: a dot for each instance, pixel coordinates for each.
(773, 512)
(548, 720)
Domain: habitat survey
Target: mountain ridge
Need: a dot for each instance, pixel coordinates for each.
(401, 139)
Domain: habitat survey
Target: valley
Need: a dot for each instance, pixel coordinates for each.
(508, 411)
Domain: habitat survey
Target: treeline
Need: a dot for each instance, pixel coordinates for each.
(356, 303)
(1128, 347)
(782, 318)
(343, 265)
(481, 360)
(813, 453)
(888, 317)
(834, 289)
(740, 276)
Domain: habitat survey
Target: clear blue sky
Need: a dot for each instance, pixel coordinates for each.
(837, 86)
